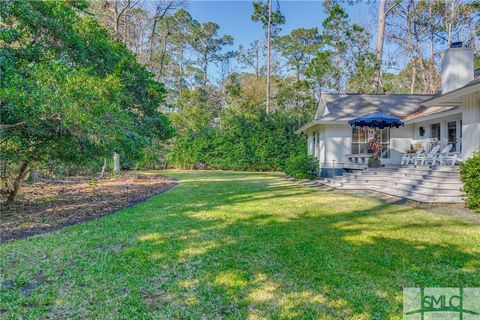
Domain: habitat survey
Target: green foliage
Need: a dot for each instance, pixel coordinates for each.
(208, 45)
(470, 175)
(302, 166)
(260, 14)
(298, 47)
(242, 141)
(70, 92)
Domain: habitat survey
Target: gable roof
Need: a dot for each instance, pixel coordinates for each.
(346, 106)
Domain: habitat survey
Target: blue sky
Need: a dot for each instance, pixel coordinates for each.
(233, 17)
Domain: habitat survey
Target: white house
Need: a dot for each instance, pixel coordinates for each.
(449, 117)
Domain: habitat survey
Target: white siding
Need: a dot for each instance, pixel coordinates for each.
(317, 146)
(321, 145)
(338, 140)
(310, 143)
(400, 141)
(471, 124)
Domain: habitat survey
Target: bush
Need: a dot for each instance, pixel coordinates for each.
(256, 142)
(470, 175)
(302, 166)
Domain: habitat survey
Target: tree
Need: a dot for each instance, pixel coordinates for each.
(208, 45)
(271, 22)
(320, 71)
(298, 48)
(363, 62)
(421, 30)
(335, 30)
(161, 10)
(347, 45)
(70, 92)
(179, 41)
(250, 57)
(382, 17)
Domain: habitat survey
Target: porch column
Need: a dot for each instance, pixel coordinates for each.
(317, 144)
(310, 144)
(470, 124)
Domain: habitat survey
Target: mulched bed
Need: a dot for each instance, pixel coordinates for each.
(46, 206)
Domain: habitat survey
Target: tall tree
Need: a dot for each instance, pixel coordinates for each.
(382, 18)
(250, 57)
(298, 48)
(335, 30)
(271, 22)
(162, 9)
(208, 45)
(180, 39)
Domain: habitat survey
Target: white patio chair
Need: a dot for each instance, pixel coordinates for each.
(407, 158)
(451, 159)
(444, 153)
(427, 157)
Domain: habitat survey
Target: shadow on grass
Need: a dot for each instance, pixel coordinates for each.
(218, 248)
(307, 266)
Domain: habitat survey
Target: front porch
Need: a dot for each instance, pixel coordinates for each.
(351, 153)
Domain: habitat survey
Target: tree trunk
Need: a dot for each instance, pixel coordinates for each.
(257, 53)
(413, 80)
(104, 168)
(380, 41)
(116, 163)
(205, 70)
(180, 77)
(164, 52)
(269, 35)
(150, 45)
(22, 173)
(125, 29)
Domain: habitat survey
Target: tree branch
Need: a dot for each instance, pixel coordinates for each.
(13, 125)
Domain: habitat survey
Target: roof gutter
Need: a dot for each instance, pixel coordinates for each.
(318, 122)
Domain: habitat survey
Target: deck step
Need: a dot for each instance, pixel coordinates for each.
(423, 184)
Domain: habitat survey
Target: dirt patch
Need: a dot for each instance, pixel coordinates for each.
(46, 206)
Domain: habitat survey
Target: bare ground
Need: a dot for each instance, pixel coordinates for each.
(46, 206)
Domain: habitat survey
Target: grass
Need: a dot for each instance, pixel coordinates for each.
(240, 246)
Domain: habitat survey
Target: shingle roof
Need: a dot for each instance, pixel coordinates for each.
(343, 107)
(427, 111)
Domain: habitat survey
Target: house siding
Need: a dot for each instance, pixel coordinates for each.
(338, 140)
(400, 141)
(471, 124)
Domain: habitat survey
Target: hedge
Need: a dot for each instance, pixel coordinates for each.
(254, 142)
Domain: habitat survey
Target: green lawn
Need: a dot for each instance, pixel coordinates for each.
(243, 246)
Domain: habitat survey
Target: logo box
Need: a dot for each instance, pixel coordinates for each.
(441, 303)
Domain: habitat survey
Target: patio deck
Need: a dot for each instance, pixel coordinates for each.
(424, 184)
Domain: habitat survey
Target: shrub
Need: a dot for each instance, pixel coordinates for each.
(241, 141)
(302, 166)
(470, 175)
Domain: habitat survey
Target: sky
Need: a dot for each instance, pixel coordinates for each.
(234, 18)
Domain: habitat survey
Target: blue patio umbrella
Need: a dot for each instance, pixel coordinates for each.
(376, 120)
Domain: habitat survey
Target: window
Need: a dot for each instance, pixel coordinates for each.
(361, 136)
(435, 131)
(452, 134)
